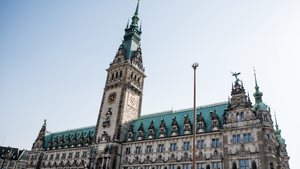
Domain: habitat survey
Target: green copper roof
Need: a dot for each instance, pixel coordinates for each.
(80, 131)
(168, 117)
(278, 132)
(132, 35)
(259, 105)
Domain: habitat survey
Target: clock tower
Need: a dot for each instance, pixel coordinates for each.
(122, 96)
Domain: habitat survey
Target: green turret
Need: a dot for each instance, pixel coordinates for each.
(278, 132)
(132, 35)
(259, 105)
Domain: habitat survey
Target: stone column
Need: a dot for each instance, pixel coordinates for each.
(107, 162)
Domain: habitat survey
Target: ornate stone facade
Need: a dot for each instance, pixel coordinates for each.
(230, 135)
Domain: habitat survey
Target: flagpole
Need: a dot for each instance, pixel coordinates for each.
(195, 65)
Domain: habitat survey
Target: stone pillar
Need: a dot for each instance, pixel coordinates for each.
(107, 161)
(103, 162)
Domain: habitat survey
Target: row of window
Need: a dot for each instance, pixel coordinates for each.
(12, 164)
(184, 166)
(237, 138)
(115, 76)
(186, 145)
(84, 154)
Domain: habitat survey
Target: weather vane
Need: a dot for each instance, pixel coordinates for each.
(235, 74)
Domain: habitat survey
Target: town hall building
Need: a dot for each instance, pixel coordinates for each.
(235, 134)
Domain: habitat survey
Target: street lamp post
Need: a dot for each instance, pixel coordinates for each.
(195, 65)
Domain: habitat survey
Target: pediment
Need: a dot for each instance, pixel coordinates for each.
(172, 158)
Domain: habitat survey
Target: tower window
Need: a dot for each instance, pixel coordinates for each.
(131, 76)
(121, 73)
(112, 76)
(242, 116)
(134, 77)
(117, 75)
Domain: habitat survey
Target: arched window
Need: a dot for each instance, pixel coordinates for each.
(234, 166)
(121, 73)
(238, 117)
(112, 76)
(134, 77)
(117, 75)
(138, 80)
(131, 75)
(242, 116)
(207, 167)
(254, 165)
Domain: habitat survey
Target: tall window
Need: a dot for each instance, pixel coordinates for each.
(200, 166)
(216, 142)
(149, 149)
(172, 167)
(148, 167)
(128, 150)
(239, 138)
(271, 166)
(200, 126)
(57, 156)
(186, 145)
(84, 154)
(244, 164)
(186, 166)
(63, 156)
(160, 167)
(238, 117)
(242, 116)
(201, 144)
(215, 123)
(160, 148)
(234, 139)
(249, 137)
(216, 165)
(138, 150)
(70, 155)
(173, 146)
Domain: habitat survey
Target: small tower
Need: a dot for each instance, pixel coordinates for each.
(38, 145)
(239, 106)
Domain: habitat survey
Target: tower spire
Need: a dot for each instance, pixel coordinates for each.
(259, 105)
(132, 35)
(276, 121)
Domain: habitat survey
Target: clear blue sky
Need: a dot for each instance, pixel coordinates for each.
(53, 56)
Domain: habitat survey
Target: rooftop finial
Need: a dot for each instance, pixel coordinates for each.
(235, 74)
(276, 120)
(256, 86)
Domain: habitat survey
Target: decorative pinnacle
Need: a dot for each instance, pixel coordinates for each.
(256, 86)
(45, 120)
(276, 121)
(195, 65)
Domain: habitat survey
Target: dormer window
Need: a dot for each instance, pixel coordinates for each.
(130, 133)
(162, 129)
(174, 127)
(187, 125)
(200, 123)
(215, 122)
(151, 130)
(140, 135)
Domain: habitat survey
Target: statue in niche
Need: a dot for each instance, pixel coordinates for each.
(106, 122)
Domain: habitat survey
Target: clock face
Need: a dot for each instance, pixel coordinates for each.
(243, 154)
(238, 99)
(112, 97)
(132, 100)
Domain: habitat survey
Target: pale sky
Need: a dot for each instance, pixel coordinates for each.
(53, 56)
